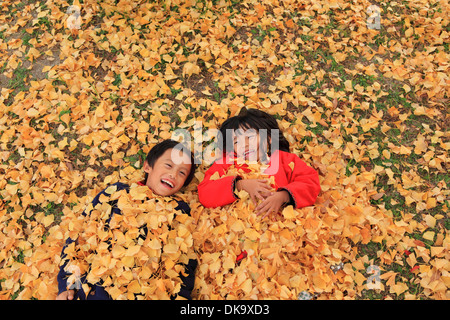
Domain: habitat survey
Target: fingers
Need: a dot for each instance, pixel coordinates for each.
(274, 215)
(260, 207)
(267, 193)
(264, 207)
(264, 188)
(259, 196)
(70, 294)
(268, 206)
(66, 295)
(267, 213)
(253, 197)
(264, 184)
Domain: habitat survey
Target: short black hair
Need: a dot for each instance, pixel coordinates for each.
(251, 119)
(162, 147)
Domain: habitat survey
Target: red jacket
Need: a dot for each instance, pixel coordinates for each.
(301, 181)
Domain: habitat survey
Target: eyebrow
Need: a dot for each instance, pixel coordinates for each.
(245, 135)
(170, 159)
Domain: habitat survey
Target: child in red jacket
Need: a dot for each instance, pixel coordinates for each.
(245, 138)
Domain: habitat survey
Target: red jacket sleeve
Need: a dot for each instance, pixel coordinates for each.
(216, 193)
(303, 181)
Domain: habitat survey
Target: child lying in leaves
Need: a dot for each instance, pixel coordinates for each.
(252, 257)
(136, 242)
(294, 182)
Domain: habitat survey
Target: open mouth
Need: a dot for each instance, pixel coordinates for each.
(167, 183)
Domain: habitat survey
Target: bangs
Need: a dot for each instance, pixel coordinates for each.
(229, 127)
(249, 119)
(238, 123)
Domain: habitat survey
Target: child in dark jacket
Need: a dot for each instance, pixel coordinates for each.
(245, 138)
(164, 176)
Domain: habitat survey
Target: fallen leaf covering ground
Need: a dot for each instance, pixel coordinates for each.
(134, 254)
(366, 107)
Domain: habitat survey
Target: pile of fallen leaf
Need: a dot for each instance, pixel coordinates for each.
(135, 255)
(368, 108)
(299, 250)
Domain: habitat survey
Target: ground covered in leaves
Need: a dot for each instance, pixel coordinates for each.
(85, 96)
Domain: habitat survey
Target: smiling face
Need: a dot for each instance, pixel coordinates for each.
(169, 172)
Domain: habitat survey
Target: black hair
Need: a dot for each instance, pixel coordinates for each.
(251, 119)
(162, 147)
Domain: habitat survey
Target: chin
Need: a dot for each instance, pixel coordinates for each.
(163, 193)
(167, 193)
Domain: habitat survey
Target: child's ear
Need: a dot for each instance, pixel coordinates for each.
(147, 168)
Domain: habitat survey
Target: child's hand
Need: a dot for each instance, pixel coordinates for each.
(272, 203)
(66, 295)
(256, 188)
